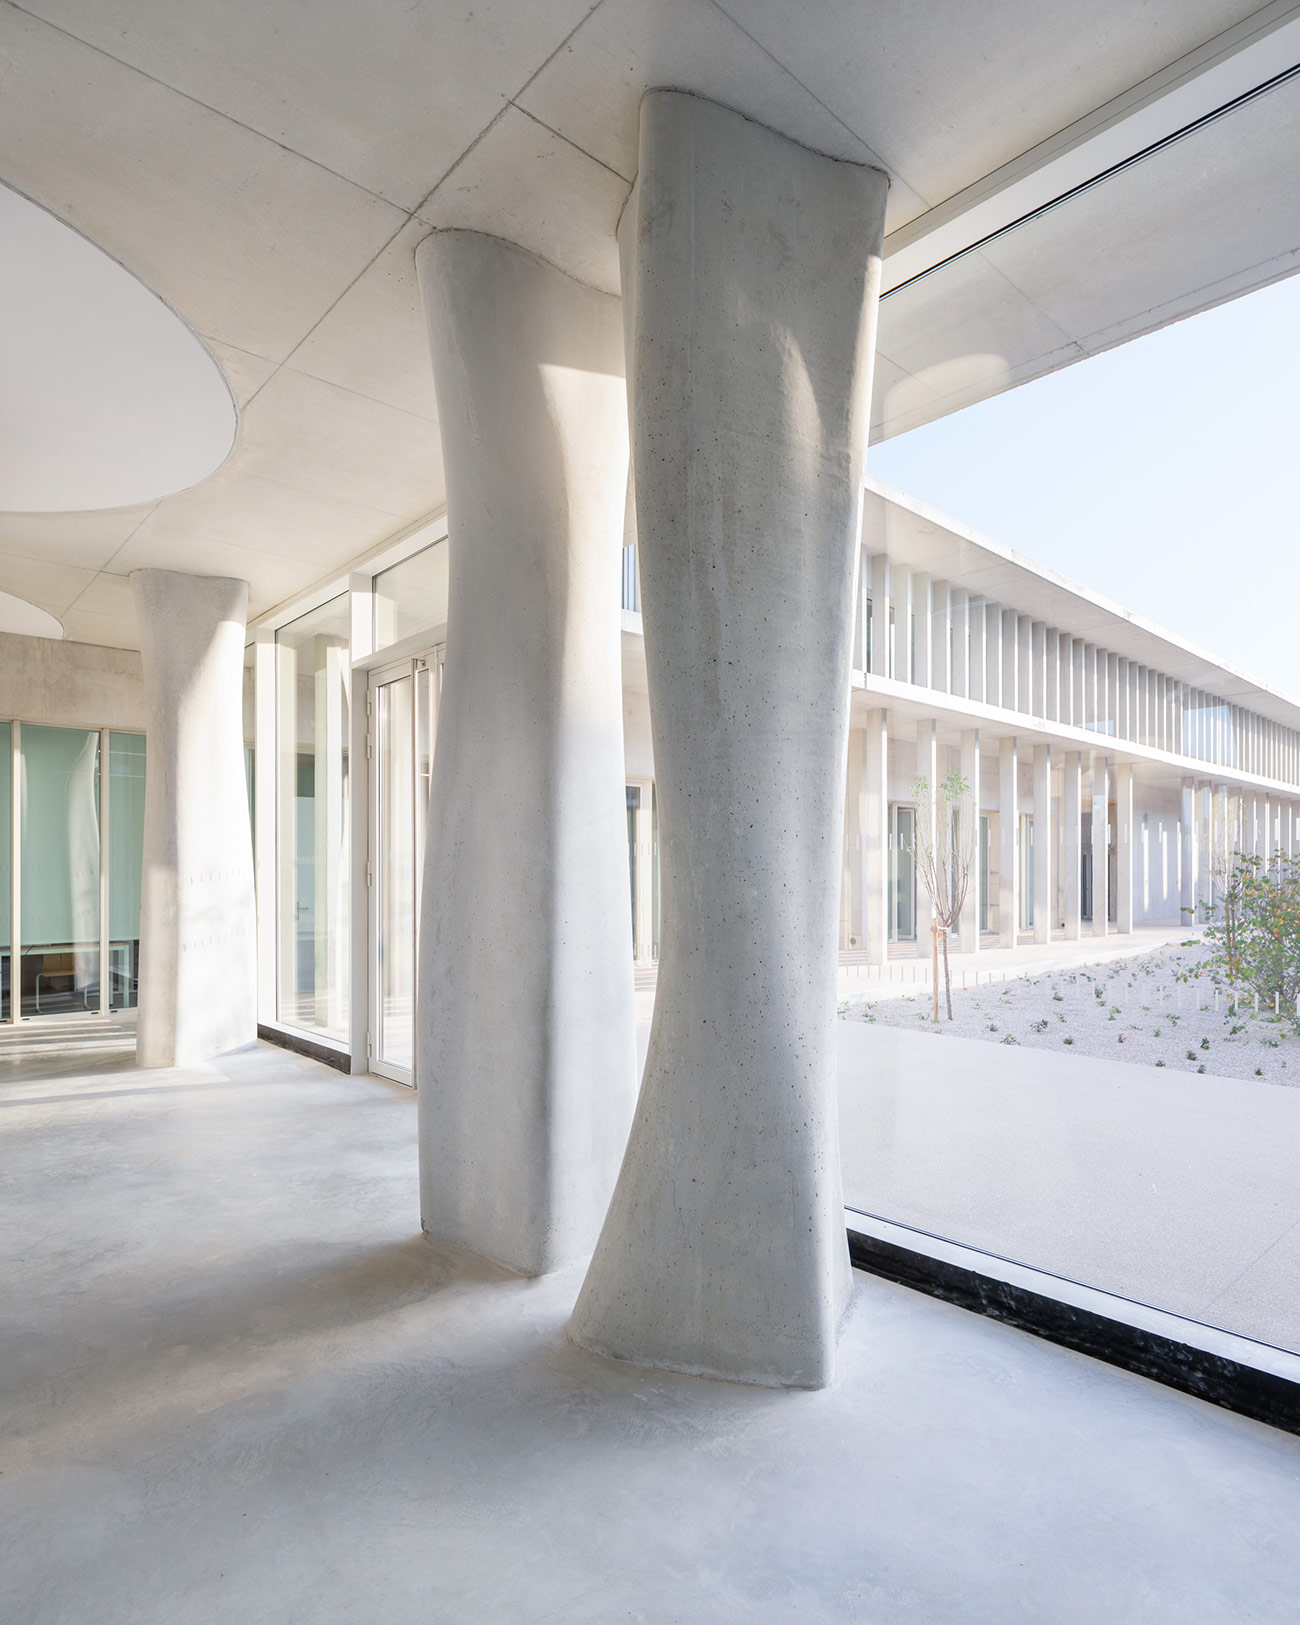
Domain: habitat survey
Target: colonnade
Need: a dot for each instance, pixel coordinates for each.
(750, 269)
(741, 358)
(1083, 803)
(917, 628)
(1218, 820)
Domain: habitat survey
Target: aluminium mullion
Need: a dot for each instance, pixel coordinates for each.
(15, 873)
(105, 984)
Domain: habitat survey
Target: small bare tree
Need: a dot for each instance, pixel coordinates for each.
(947, 827)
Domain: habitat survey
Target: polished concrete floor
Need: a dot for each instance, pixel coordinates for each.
(237, 1386)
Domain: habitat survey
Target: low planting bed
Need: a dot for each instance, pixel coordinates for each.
(1167, 1008)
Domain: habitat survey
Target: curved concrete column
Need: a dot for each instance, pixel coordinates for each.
(525, 1039)
(198, 948)
(750, 274)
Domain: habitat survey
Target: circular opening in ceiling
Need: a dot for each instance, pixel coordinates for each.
(17, 615)
(107, 399)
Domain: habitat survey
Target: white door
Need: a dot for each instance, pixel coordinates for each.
(403, 711)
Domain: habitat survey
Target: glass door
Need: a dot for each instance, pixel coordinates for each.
(402, 719)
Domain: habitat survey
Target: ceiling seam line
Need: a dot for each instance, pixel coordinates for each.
(207, 107)
(569, 142)
(889, 169)
(500, 114)
(135, 528)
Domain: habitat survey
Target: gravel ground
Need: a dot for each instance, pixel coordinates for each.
(1160, 1009)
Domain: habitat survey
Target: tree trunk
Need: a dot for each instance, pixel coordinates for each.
(934, 965)
(947, 976)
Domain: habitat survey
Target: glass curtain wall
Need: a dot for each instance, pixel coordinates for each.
(313, 712)
(126, 776)
(6, 873)
(1159, 1169)
(396, 870)
(411, 597)
(250, 729)
(59, 955)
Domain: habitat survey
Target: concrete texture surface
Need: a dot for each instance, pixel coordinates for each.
(1172, 1188)
(750, 276)
(70, 685)
(198, 923)
(238, 1388)
(525, 1100)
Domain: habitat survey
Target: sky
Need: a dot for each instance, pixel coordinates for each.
(1164, 474)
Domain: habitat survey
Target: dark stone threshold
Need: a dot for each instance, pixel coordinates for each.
(1261, 1395)
(340, 1060)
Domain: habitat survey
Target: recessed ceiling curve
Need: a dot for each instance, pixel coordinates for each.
(17, 615)
(107, 399)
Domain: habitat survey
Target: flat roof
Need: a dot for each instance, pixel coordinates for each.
(903, 527)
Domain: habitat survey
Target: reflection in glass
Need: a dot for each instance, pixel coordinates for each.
(313, 687)
(250, 729)
(412, 596)
(126, 774)
(60, 871)
(394, 720)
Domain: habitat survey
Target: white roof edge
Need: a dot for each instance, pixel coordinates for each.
(1008, 555)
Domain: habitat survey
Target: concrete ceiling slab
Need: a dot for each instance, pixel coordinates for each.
(373, 341)
(52, 585)
(947, 92)
(258, 515)
(245, 373)
(237, 189)
(272, 577)
(387, 94)
(590, 91)
(525, 183)
(248, 241)
(960, 334)
(114, 631)
(87, 540)
(319, 438)
(1147, 227)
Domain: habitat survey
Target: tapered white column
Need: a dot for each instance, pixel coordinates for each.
(1187, 837)
(750, 276)
(1008, 843)
(969, 923)
(198, 950)
(852, 885)
(1044, 844)
(525, 1051)
(1072, 844)
(1100, 847)
(875, 836)
(1124, 846)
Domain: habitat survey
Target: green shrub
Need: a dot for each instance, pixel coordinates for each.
(1255, 939)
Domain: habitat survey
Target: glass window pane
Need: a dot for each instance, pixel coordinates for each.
(395, 841)
(60, 870)
(313, 692)
(250, 729)
(6, 803)
(412, 596)
(126, 772)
